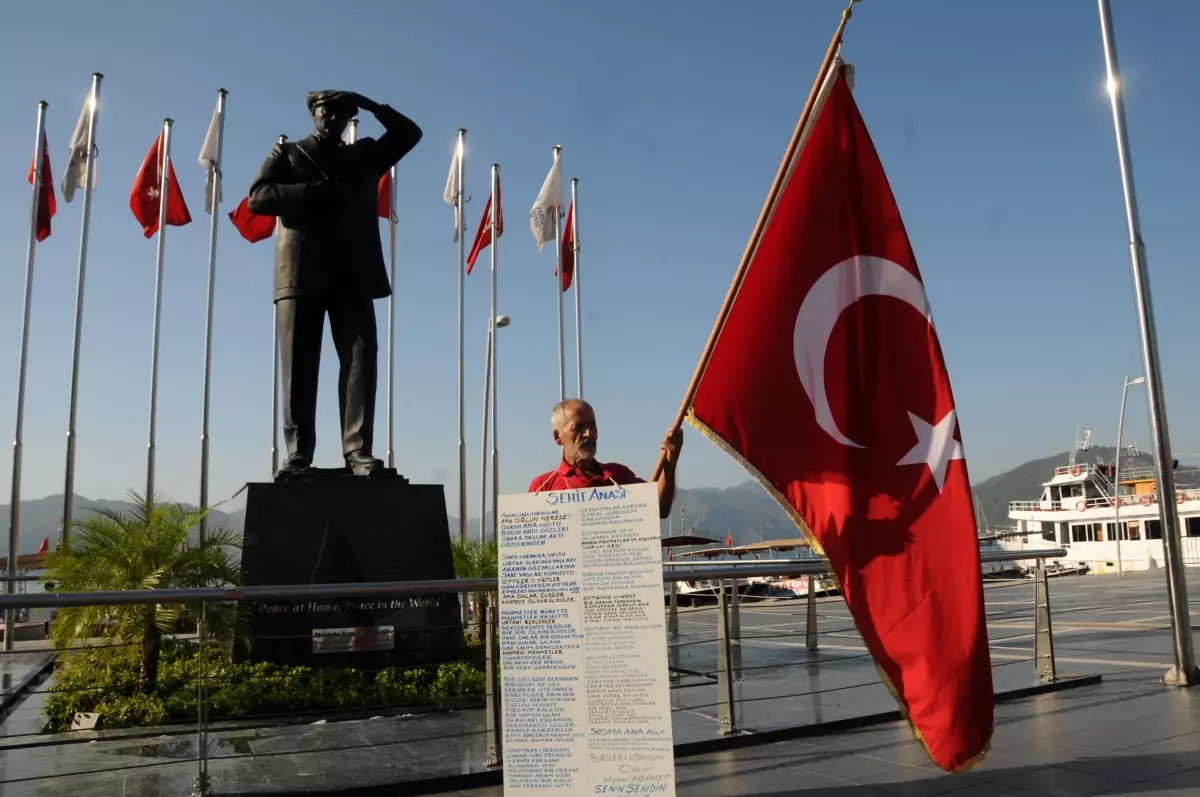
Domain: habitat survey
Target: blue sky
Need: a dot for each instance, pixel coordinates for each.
(990, 119)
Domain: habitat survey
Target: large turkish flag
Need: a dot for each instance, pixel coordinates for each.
(828, 381)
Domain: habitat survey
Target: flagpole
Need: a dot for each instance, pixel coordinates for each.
(495, 355)
(89, 175)
(275, 373)
(164, 183)
(558, 277)
(391, 347)
(772, 195)
(462, 435)
(483, 448)
(14, 528)
(215, 175)
(1184, 672)
(578, 311)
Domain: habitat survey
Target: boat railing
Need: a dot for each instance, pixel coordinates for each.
(1138, 474)
(1099, 502)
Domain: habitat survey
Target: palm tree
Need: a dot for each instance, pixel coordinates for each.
(146, 547)
(473, 559)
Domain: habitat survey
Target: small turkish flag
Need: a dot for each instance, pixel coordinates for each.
(47, 207)
(252, 226)
(45, 546)
(483, 236)
(828, 381)
(568, 248)
(147, 188)
(383, 196)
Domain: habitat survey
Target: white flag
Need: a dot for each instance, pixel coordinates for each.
(210, 154)
(450, 195)
(549, 199)
(76, 169)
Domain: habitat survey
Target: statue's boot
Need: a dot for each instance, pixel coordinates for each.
(362, 463)
(296, 463)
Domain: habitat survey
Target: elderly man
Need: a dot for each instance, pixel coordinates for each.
(574, 424)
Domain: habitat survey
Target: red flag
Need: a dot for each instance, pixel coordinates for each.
(45, 546)
(568, 249)
(47, 207)
(253, 227)
(729, 539)
(144, 196)
(828, 383)
(383, 196)
(483, 237)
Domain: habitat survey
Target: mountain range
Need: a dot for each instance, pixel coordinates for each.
(745, 511)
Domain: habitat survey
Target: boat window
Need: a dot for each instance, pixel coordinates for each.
(1129, 530)
(1047, 531)
(1193, 527)
(1087, 532)
(1154, 529)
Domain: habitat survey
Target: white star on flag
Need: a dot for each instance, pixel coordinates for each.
(936, 446)
(152, 193)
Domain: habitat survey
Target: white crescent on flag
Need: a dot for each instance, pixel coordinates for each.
(832, 294)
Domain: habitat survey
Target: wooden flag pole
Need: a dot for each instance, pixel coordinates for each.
(756, 235)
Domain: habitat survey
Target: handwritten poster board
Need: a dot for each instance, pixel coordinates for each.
(583, 644)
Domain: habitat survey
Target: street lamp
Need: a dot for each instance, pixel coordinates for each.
(489, 400)
(1117, 470)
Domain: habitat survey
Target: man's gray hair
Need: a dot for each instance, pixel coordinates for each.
(559, 413)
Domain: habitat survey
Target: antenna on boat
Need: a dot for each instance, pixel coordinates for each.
(1083, 441)
(987, 527)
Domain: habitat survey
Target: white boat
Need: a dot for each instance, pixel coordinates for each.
(1079, 507)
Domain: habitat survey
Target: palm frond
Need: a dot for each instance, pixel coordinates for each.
(145, 546)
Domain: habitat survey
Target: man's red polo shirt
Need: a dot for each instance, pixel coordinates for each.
(566, 477)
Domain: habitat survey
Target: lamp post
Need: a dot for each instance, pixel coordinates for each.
(1117, 470)
(499, 321)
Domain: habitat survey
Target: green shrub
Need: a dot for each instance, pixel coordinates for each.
(106, 680)
(458, 680)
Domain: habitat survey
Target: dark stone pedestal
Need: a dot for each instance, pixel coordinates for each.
(331, 528)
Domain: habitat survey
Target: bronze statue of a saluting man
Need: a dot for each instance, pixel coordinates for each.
(329, 259)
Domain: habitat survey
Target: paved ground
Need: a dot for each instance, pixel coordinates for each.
(1129, 735)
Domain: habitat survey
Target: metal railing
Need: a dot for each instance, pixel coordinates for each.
(1099, 502)
(729, 676)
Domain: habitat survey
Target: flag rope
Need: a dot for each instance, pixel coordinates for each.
(772, 196)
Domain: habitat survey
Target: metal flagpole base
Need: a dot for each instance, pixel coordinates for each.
(1174, 678)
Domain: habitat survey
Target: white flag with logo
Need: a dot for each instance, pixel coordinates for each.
(210, 155)
(549, 199)
(76, 169)
(450, 195)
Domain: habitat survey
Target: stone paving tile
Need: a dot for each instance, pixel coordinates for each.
(1181, 784)
(1060, 782)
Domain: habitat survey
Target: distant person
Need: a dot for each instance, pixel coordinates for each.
(574, 424)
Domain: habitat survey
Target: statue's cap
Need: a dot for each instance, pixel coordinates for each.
(316, 98)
